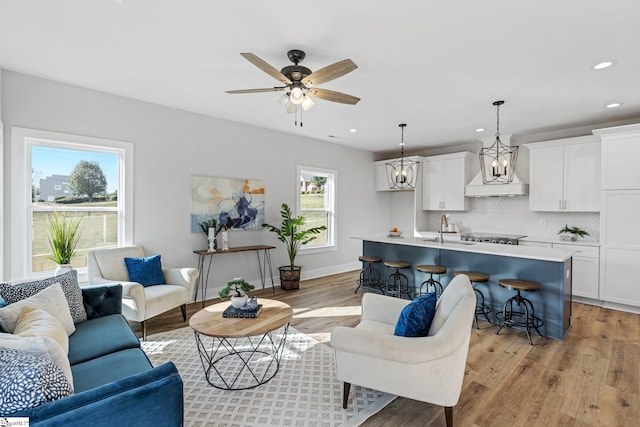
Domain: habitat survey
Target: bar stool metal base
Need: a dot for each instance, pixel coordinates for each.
(397, 284)
(524, 318)
(370, 277)
(482, 309)
(431, 284)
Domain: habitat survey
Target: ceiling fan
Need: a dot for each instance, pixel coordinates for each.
(300, 82)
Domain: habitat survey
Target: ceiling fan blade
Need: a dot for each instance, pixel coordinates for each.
(331, 95)
(264, 66)
(329, 73)
(267, 89)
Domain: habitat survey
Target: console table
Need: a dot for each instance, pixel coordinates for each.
(262, 265)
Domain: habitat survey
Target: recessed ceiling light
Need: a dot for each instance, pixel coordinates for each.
(603, 65)
(353, 130)
(613, 105)
(480, 130)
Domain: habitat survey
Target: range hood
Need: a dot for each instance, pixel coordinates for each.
(476, 188)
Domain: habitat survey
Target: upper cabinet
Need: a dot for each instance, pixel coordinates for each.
(620, 154)
(382, 175)
(443, 180)
(565, 175)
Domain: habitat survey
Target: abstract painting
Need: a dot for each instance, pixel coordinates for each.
(236, 203)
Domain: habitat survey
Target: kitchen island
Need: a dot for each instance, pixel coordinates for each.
(549, 267)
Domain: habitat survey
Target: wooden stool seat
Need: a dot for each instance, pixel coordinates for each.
(474, 276)
(432, 269)
(365, 258)
(519, 285)
(398, 264)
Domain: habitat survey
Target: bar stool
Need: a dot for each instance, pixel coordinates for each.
(482, 309)
(369, 276)
(398, 283)
(431, 282)
(525, 319)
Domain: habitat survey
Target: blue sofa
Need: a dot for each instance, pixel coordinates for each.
(114, 381)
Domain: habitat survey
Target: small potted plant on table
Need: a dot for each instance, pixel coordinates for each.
(239, 287)
(292, 234)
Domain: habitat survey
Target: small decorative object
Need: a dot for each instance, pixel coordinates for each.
(238, 286)
(225, 240)
(252, 304)
(293, 234)
(210, 228)
(571, 233)
(63, 238)
(394, 232)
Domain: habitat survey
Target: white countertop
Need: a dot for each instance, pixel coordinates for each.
(529, 252)
(557, 240)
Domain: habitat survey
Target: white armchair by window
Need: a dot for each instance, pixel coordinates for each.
(428, 369)
(140, 303)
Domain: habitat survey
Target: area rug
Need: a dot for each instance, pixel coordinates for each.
(304, 392)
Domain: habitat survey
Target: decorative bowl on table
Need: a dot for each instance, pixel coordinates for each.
(394, 233)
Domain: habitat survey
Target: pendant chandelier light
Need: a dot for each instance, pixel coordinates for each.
(499, 160)
(402, 173)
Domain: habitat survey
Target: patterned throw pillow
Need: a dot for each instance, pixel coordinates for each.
(69, 281)
(28, 381)
(416, 318)
(146, 270)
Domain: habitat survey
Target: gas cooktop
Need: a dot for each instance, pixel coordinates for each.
(504, 239)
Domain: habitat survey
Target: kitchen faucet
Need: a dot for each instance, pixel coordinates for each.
(444, 223)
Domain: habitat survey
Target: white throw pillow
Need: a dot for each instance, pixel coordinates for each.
(35, 322)
(51, 300)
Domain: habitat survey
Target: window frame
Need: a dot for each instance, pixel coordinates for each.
(22, 141)
(331, 196)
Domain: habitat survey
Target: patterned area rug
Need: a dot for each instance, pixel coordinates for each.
(304, 392)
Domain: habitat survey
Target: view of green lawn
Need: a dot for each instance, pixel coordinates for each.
(314, 219)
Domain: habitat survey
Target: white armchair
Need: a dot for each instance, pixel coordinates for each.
(140, 303)
(428, 369)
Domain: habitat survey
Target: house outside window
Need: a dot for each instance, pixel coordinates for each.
(316, 202)
(81, 177)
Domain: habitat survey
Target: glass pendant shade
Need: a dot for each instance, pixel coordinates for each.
(402, 173)
(498, 161)
(307, 102)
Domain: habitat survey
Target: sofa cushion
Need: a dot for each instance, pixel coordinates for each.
(69, 281)
(100, 336)
(145, 270)
(415, 319)
(51, 299)
(111, 367)
(41, 347)
(28, 381)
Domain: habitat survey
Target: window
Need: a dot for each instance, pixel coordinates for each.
(82, 177)
(316, 202)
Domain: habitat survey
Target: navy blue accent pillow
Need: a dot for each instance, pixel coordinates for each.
(147, 270)
(415, 319)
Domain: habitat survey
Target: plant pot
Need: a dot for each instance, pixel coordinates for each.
(290, 279)
(239, 302)
(569, 236)
(62, 268)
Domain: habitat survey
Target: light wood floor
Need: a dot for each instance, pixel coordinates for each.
(590, 379)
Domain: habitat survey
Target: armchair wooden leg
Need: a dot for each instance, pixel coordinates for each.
(144, 330)
(345, 394)
(448, 415)
(183, 308)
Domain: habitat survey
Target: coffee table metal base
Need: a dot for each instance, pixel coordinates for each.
(241, 363)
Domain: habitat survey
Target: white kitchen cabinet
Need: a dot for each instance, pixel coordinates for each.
(586, 270)
(382, 178)
(443, 180)
(620, 154)
(565, 175)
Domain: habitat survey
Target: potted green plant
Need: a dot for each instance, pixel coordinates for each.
(292, 233)
(239, 287)
(64, 234)
(571, 233)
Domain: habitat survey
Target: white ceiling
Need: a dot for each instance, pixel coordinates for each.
(436, 65)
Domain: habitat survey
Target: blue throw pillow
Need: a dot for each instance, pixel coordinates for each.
(415, 319)
(147, 270)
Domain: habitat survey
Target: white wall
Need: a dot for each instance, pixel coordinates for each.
(171, 145)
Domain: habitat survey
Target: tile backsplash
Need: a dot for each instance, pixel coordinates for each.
(511, 215)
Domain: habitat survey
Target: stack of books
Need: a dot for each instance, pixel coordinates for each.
(231, 311)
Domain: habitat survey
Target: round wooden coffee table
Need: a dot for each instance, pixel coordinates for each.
(241, 353)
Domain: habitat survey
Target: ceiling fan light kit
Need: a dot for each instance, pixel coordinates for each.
(300, 82)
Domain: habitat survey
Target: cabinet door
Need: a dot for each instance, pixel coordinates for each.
(453, 185)
(432, 175)
(582, 177)
(620, 155)
(546, 179)
(585, 277)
